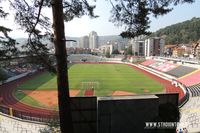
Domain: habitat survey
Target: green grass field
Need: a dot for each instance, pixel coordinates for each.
(105, 78)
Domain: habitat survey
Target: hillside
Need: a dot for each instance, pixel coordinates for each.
(184, 32)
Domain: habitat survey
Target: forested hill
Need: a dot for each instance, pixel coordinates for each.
(184, 32)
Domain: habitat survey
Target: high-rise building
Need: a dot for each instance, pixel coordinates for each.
(154, 46)
(93, 40)
(84, 42)
(138, 45)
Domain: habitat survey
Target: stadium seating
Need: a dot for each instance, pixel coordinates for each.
(195, 90)
(148, 62)
(166, 67)
(191, 79)
(8, 73)
(10, 125)
(80, 57)
(169, 68)
(156, 64)
(181, 71)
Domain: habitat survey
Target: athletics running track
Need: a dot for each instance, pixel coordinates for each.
(8, 100)
(6, 92)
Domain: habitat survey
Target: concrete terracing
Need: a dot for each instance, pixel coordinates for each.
(11, 125)
(190, 115)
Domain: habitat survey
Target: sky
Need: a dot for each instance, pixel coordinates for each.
(83, 26)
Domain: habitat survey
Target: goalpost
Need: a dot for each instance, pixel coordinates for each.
(90, 85)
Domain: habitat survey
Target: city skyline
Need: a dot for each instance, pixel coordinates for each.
(82, 26)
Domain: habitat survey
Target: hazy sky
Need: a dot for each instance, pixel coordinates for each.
(82, 26)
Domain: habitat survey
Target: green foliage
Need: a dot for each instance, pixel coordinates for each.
(185, 32)
(107, 54)
(7, 44)
(53, 125)
(2, 13)
(29, 15)
(134, 14)
(77, 8)
(128, 51)
(3, 75)
(116, 51)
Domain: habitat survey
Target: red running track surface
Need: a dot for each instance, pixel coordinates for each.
(6, 91)
(191, 79)
(89, 92)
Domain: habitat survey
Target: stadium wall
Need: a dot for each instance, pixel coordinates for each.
(17, 77)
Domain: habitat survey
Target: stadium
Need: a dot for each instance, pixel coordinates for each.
(30, 93)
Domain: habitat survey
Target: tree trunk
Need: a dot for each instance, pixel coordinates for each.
(66, 124)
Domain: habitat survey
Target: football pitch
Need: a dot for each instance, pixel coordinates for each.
(104, 79)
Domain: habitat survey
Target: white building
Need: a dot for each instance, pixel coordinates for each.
(108, 47)
(138, 45)
(93, 40)
(84, 42)
(154, 47)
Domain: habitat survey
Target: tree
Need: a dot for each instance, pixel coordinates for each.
(107, 53)
(7, 44)
(3, 76)
(116, 51)
(134, 14)
(184, 32)
(28, 14)
(128, 51)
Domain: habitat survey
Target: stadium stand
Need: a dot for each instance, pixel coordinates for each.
(181, 71)
(195, 90)
(8, 73)
(148, 62)
(10, 125)
(83, 57)
(169, 68)
(156, 64)
(191, 79)
(166, 67)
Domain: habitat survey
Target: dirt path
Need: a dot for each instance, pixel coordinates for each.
(121, 93)
(50, 100)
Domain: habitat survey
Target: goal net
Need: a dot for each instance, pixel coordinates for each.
(90, 85)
